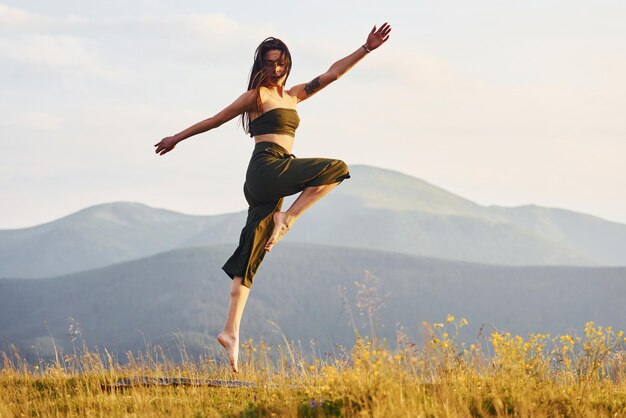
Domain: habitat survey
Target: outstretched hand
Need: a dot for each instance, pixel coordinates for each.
(378, 37)
(165, 145)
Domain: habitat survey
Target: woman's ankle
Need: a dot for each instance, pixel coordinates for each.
(230, 334)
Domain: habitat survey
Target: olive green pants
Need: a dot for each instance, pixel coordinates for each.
(272, 174)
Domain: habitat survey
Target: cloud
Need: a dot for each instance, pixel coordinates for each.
(59, 53)
(52, 44)
(493, 118)
(12, 17)
(113, 48)
(575, 99)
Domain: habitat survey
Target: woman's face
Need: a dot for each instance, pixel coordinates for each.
(276, 64)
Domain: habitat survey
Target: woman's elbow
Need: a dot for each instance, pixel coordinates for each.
(332, 75)
(215, 121)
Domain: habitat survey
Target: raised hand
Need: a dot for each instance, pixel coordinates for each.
(378, 37)
(165, 145)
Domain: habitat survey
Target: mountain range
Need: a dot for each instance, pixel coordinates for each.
(375, 209)
(180, 297)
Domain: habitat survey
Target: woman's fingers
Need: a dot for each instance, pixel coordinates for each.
(164, 146)
(384, 31)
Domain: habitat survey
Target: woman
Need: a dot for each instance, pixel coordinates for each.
(268, 113)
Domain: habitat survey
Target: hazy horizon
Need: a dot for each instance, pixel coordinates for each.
(287, 202)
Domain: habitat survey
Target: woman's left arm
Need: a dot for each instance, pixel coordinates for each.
(375, 39)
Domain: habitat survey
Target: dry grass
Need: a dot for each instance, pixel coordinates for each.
(536, 376)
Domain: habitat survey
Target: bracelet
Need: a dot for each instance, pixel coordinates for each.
(364, 47)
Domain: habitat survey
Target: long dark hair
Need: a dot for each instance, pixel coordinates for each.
(262, 73)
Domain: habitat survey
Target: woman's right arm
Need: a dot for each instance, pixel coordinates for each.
(244, 103)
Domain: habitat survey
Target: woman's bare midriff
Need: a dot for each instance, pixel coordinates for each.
(285, 141)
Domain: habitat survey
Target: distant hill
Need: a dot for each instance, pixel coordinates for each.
(600, 240)
(101, 235)
(375, 209)
(150, 300)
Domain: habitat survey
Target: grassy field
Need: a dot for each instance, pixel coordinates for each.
(504, 375)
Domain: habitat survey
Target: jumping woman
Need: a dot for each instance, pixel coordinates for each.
(268, 112)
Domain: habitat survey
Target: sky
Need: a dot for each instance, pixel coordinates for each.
(502, 102)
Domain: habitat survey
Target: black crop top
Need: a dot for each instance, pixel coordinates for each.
(280, 120)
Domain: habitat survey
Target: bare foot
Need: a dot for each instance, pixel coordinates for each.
(282, 223)
(231, 344)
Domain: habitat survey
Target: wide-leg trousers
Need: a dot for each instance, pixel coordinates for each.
(272, 174)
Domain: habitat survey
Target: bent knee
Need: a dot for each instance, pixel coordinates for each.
(342, 167)
(342, 171)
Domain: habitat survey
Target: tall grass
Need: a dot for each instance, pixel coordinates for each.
(500, 375)
(503, 376)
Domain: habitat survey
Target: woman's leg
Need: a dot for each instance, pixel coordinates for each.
(229, 338)
(284, 220)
